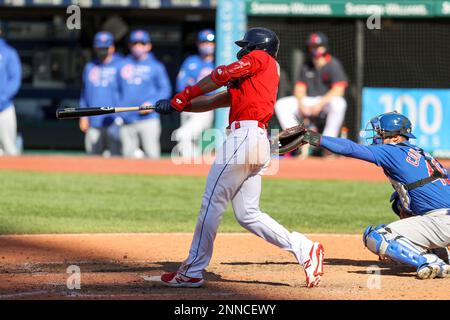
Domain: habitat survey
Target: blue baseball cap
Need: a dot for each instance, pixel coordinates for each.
(139, 36)
(103, 39)
(206, 35)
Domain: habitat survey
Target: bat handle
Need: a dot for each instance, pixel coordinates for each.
(146, 107)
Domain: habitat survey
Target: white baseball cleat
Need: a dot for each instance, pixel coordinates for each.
(428, 271)
(175, 279)
(314, 265)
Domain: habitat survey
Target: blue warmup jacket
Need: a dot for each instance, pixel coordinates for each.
(101, 89)
(143, 81)
(10, 74)
(193, 69)
(403, 164)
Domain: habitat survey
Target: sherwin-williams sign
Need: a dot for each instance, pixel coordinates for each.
(153, 4)
(342, 8)
(428, 110)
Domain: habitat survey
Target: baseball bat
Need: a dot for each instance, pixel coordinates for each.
(73, 113)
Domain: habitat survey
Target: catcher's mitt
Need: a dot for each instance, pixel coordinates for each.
(291, 139)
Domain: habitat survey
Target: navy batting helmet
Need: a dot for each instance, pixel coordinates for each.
(259, 39)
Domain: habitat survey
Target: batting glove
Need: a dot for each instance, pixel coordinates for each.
(164, 107)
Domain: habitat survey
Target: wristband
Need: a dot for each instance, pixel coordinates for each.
(313, 138)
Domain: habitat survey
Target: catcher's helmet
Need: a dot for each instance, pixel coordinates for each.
(259, 39)
(388, 125)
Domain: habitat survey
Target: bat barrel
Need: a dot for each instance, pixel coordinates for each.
(73, 113)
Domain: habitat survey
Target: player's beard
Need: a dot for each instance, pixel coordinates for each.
(242, 52)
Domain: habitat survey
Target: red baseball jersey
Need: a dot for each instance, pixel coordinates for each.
(253, 97)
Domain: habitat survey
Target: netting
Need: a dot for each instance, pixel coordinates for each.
(408, 54)
(293, 33)
(404, 53)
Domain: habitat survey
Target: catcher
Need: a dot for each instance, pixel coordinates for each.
(421, 197)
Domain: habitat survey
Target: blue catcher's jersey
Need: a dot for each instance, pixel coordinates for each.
(193, 69)
(404, 164)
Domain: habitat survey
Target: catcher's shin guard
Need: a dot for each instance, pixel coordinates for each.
(382, 242)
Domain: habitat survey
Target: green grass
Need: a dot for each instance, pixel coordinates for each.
(71, 203)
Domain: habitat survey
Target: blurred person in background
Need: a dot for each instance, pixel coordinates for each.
(318, 97)
(10, 81)
(143, 81)
(194, 68)
(101, 89)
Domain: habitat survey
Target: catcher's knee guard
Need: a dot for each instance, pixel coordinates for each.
(375, 241)
(382, 242)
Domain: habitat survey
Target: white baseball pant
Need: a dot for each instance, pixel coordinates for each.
(236, 176)
(429, 231)
(288, 114)
(8, 132)
(98, 140)
(147, 132)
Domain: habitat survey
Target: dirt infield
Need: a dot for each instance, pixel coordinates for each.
(312, 168)
(339, 168)
(243, 266)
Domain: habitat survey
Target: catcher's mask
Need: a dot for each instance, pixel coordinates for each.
(387, 125)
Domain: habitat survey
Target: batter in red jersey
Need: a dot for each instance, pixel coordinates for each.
(235, 175)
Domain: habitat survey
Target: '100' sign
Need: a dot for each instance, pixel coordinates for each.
(428, 110)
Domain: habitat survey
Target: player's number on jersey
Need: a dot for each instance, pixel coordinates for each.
(440, 169)
(413, 157)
